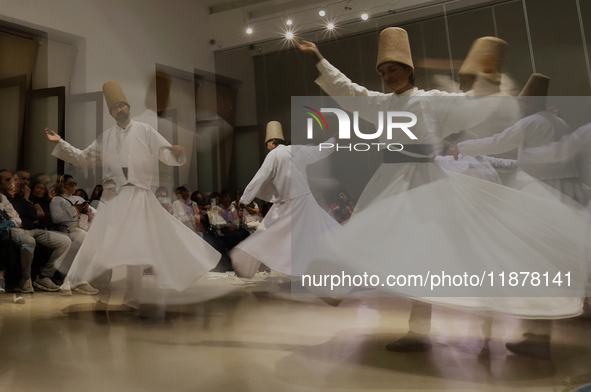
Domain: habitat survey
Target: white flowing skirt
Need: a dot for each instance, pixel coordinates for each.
(290, 236)
(463, 223)
(133, 229)
(393, 178)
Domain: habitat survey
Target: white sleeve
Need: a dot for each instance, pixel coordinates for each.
(87, 157)
(159, 146)
(507, 140)
(563, 150)
(336, 84)
(501, 164)
(312, 154)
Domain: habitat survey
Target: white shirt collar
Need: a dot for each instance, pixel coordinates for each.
(126, 128)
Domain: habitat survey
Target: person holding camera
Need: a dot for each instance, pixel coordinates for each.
(343, 208)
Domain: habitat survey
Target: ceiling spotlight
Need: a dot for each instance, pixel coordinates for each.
(392, 10)
(349, 5)
(249, 30)
(364, 16)
(289, 35)
(322, 13)
(289, 22)
(330, 26)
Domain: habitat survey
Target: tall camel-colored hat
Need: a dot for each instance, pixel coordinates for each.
(536, 89)
(113, 93)
(274, 131)
(394, 46)
(485, 59)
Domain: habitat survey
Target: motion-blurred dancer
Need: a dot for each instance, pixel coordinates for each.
(132, 229)
(295, 228)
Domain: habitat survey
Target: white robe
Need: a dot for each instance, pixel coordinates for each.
(133, 229)
(457, 223)
(533, 131)
(439, 114)
(464, 224)
(483, 167)
(295, 228)
(574, 146)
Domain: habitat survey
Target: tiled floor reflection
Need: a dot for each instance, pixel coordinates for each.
(226, 335)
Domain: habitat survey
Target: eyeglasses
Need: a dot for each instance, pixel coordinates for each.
(118, 106)
(71, 183)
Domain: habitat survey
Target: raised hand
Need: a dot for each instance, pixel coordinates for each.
(52, 136)
(26, 191)
(453, 150)
(308, 47)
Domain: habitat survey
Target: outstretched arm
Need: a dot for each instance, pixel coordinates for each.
(313, 154)
(167, 153)
(66, 152)
(331, 80)
(507, 140)
(258, 186)
(563, 150)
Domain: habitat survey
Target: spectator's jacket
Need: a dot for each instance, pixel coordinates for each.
(26, 212)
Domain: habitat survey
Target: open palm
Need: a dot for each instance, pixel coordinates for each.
(52, 136)
(306, 46)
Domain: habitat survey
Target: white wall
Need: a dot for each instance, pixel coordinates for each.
(121, 40)
(92, 41)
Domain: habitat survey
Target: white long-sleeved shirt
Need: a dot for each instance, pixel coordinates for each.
(532, 131)
(574, 146)
(283, 173)
(133, 148)
(7, 207)
(439, 113)
(178, 211)
(63, 211)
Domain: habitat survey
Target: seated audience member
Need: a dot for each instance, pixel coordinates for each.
(250, 216)
(44, 179)
(207, 199)
(197, 197)
(229, 232)
(71, 213)
(9, 221)
(343, 208)
(31, 233)
(187, 211)
(81, 193)
(40, 199)
(95, 198)
(223, 223)
(177, 194)
(162, 196)
(203, 208)
(25, 178)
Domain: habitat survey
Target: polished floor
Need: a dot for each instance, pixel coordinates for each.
(228, 335)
